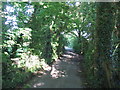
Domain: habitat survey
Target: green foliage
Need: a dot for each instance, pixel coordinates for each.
(77, 46)
(12, 75)
(25, 50)
(15, 70)
(44, 28)
(80, 47)
(47, 32)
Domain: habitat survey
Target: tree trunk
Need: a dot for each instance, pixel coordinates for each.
(48, 47)
(118, 28)
(104, 29)
(118, 36)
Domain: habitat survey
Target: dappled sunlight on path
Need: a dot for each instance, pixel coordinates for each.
(64, 73)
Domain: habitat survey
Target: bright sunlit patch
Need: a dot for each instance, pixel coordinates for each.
(45, 66)
(45, 7)
(68, 56)
(77, 3)
(38, 84)
(10, 9)
(11, 19)
(57, 73)
(30, 10)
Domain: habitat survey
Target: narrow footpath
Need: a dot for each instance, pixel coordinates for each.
(64, 73)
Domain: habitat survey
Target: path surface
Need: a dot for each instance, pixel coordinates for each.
(65, 73)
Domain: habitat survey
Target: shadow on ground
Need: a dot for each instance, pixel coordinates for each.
(64, 73)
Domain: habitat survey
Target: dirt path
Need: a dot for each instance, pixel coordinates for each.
(65, 73)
